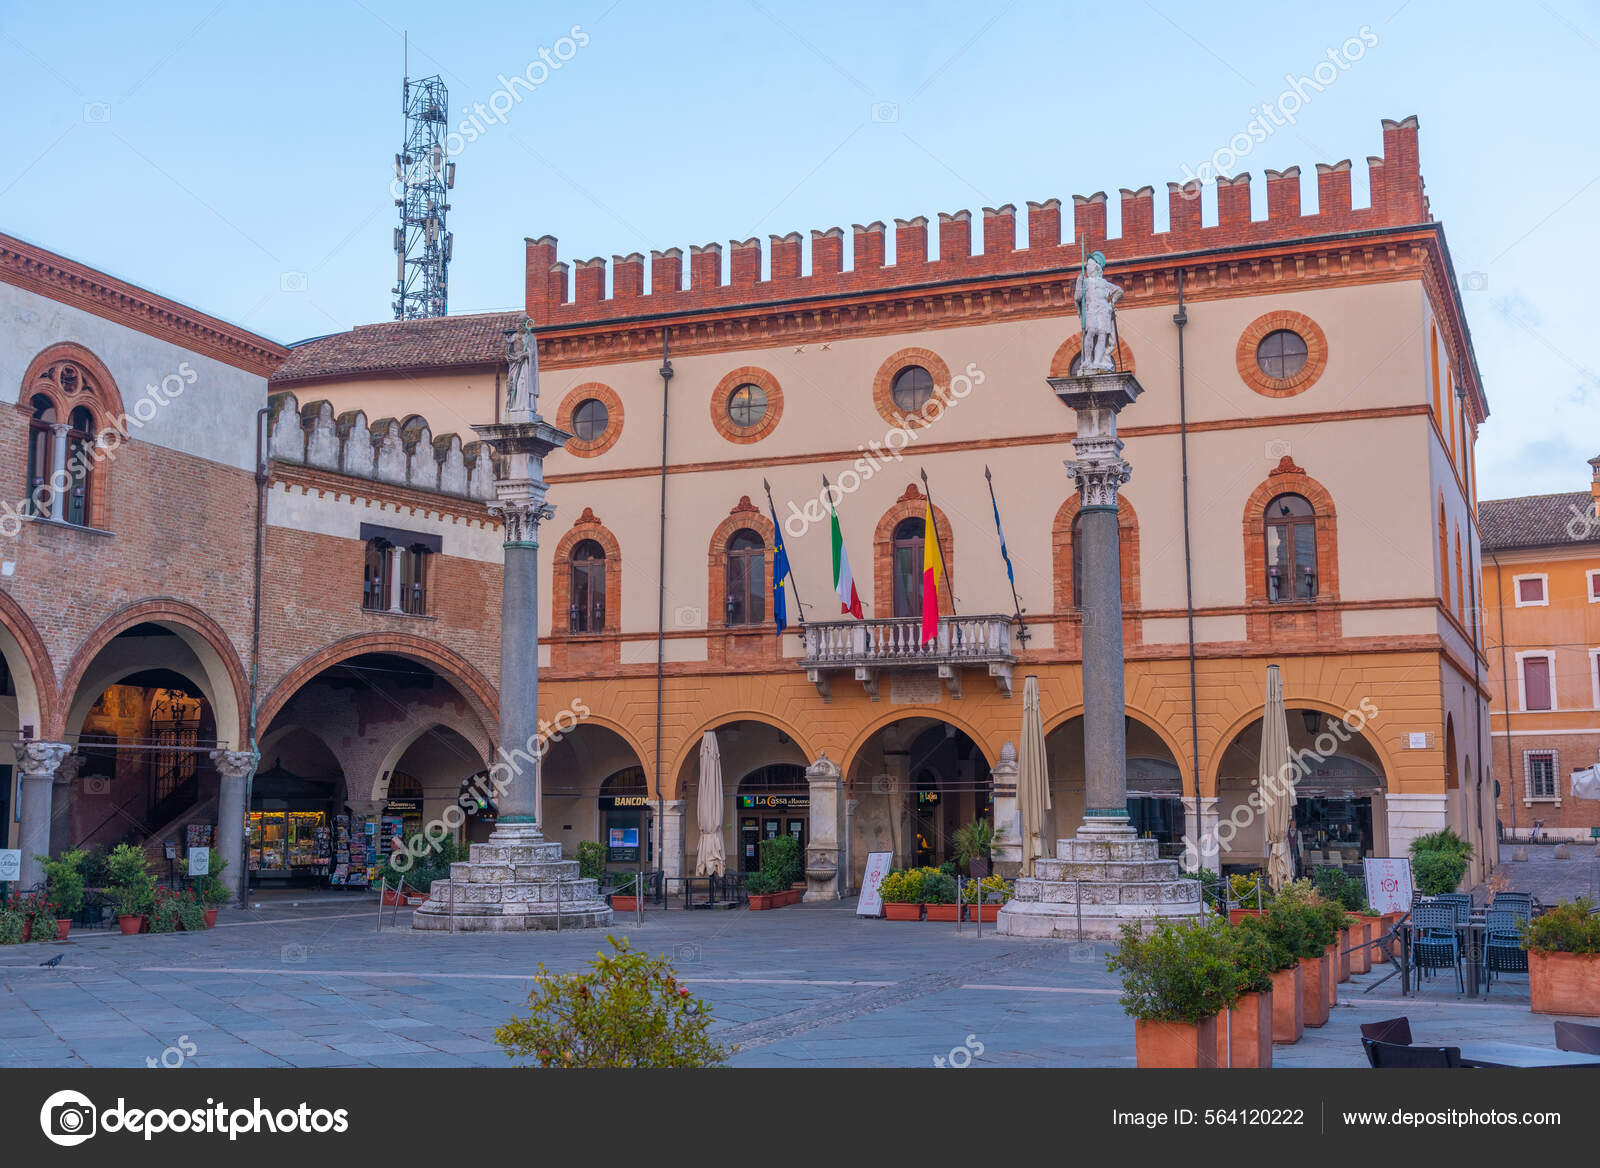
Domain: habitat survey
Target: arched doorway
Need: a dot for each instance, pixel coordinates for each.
(1157, 806)
(587, 774)
(770, 801)
(764, 791)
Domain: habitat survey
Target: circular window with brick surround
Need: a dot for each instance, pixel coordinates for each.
(592, 414)
(1067, 360)
(912, 388)
(1282, 353)
(746, 404)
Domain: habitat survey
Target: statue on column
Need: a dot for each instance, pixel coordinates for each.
(1097, 298)
(522, 369)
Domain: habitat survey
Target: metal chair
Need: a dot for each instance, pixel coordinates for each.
(1435, 944)
(1502, 945)
(1520, 903)
(1395, 1031)
(1390, 1054)
(1573, 1036)
(1460, 901)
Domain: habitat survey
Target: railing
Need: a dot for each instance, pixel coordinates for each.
(898, 641)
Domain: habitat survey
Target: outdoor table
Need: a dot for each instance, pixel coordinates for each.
(1515, 1054)
(1470, 934)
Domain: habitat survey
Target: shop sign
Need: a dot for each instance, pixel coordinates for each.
(10, 865)
(1389, 884)
(871, 902)
(199, 861)
(780, 802)
(403, 807)
(615, 801)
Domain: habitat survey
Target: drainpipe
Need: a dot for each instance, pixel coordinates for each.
(661, 607)
(1181, 318)
(1476, 578)
(1505, 677)
(255, 630)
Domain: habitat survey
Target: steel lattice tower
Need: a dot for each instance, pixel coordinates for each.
(424, 178)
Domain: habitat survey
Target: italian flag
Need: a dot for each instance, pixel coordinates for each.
(930, 578)
(844, 581)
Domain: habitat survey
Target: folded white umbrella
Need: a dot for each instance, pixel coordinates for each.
(710, 860)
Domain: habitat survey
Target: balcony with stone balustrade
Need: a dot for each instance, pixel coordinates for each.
(866, 650)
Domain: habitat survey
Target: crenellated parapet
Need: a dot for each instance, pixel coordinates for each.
(403, 453)
(1397, 200)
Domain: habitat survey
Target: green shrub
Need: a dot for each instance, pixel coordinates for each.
(900, 887)
(1339, 886)
(64, 878)
(626, 1010)
(780, 858)
(128, 874)
(422, 863)
(591, 860)
(1255, 957)
(1302, 922)
(1177, 972)
(760, 883)
(973, 841)
(1566, 928)
(1244, 890)
(996, 890)
(41, 913)
(211, 889)
(191, 913)
(10, 927)
(938, 887)
(1265, 942)
(166, 913)
(1442, 841)
(1437, 871)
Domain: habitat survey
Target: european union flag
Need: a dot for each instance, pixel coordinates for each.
(780, 574)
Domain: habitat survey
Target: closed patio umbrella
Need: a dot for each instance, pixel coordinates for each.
(709, 860)
(1033, 778)
(1277, 782)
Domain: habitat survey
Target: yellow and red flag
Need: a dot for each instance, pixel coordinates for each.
(932, 569)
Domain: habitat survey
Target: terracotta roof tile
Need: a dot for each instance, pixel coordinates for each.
(1538, 521)
(443, 343)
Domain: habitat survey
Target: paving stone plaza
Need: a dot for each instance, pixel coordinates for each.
(311, 982)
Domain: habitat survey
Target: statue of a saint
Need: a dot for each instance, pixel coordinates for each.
(1097, 308)
(522, 369)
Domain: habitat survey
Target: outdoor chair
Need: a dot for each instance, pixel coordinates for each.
(1394, 1031)
(1574, 1036)
(1390, 1054)
(1435, 943)
(1520, 903)
(1460, 901)
(1502, 945)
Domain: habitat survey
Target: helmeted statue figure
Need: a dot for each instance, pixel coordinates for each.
(1097, 299)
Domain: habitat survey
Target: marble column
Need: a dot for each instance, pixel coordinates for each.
(58, 472)
(823, 847)
(36, 772)
(234, 769)
(1006, 854)
(671, 859)
(61, 803)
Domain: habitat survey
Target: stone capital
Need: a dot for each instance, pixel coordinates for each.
(521, 507)
(235, 764)
(1098, 480)
(824, 770)
(39, 760)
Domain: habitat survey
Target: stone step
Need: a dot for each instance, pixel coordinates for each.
(1176, 892)
(1093, 851)
(477, 871)
(1115, 870)
(529, 853)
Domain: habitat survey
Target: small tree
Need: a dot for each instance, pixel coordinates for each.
(64, 876)
(626, 1009)
(128, 871)
(973, 844)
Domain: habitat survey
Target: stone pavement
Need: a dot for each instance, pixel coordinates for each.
(1548, 878)
(314, 984)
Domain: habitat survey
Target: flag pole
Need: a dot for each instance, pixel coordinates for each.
(827, 491)
(1022, 625)
(949, 590)
(777, 537)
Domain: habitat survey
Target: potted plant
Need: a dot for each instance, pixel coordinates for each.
(902, 895)
(191, 913)
(1244, 1032)
(1438, 861)
(1176, 979)
(591, 860)
(165, 912)
(973, 844)
(780, 859)
(1247, 896)
(626, 898)
(64, 880)
(1288, 1012)
(212, 891)
(761, 889)
(1563, 948)
(1299, 917)
(939, 896)
(985, 897)
(39, 918)
(132, 886)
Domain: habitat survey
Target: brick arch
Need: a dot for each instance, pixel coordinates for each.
(1316, 353)
(453, 667)
(1061, 362)
(745, 514)
(863, 737)
(35, 708)
(690, 745)
(883, 386)
(576, 397)
(104, 402)
(1269, 622)
(1293, 699)
(588, 526)
(1152, 723)
(1127, 545)
(161, 610)
(910, 505)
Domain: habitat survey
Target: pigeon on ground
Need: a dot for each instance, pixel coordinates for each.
(52, 963)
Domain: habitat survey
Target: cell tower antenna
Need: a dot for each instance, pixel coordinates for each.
(424, 177)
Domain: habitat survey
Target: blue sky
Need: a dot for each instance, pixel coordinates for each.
(207, 150)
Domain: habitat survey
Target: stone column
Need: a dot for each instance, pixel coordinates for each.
(823, 848)
(234, 769)
(847, 870)
(671, 859)
(36, 770)
(396, 580)
(1006, 856)
(58, 466)
(61, 803)
(522, 507)
(1099, 470)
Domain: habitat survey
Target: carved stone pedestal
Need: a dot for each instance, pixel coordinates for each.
(1098, 882)
(515, 882)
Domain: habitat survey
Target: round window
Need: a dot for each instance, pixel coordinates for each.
(590, 419)
(747, 405)
(912, 388)
(1281, 354)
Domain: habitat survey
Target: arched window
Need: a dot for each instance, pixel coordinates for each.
(1291, 549)
(1077, 560)
(908, 537)
(746, 578)
(41, 453)
(414, 580)
(587, 612)
(375, 578)
(80, 466)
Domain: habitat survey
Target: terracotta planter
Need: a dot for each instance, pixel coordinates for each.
(1375, 932)
(1330, 984)
(1250, 1042)
(631, 903)
(1361, 953)
(397, 899)
(1317, 976)
(792, 895)
(1342, 950)
(211, 918)
(63, 926)
(943, 912)
(1176, 1044)
(1564, 983)
(987, 912)
(1288, 1012)
(902, 912)
(1235, 915)
(130, 925)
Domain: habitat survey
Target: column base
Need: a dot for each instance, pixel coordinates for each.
(1096, 883)
(516, 882)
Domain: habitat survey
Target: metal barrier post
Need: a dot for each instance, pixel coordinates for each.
(383, 888)
(1078, 896)
(452, 905)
